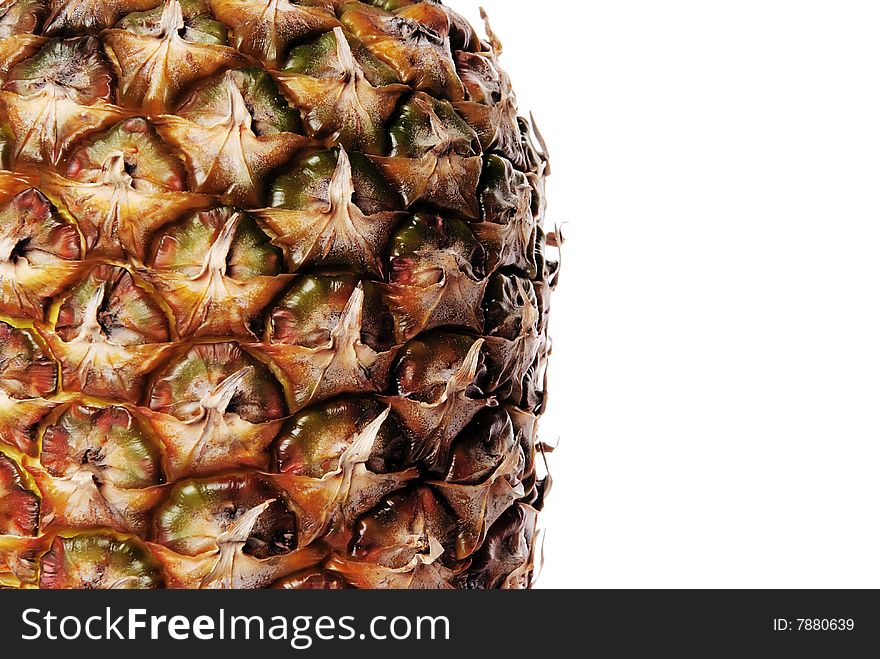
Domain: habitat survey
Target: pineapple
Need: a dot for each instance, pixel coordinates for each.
(273, 298)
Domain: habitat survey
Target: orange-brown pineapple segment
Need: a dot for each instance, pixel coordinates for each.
(19, 17)
(217, 272)
(345, 364)
(121, 185)
(401, 544)
(233, 531)
(334, 466)
(421, 56)
(435, 277)
(234, 130)
(155, 60)
(39, 255)
(341, 98)
(438, 381)
(99, 469)
(313, 306)
(19, 507)
(27, 377)
(99, 560)
(435, 156)
(89, 16)
(26, 371)
(321, 223)
(264, 29)
(509, 230)
(110, 334)
(54, 97)
(216, 407)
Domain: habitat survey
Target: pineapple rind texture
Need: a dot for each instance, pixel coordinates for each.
(273, 298)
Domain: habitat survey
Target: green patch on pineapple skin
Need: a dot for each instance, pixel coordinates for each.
(313, 441)
(308, 179)
(310, 59)
(199, 24)
(269, 109)
(425, 233)
(100, 560)
(414, 131)
(120, 444)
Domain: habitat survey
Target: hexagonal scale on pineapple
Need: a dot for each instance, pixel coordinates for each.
(264, 29)
(437, 381)
(201, 513)
(27, 374)
(338, 96)
(199, 25)
(308, 178)
(484, 478)
(53, 98)
(491, 108)
(426, 234)
(26, 371)
(507, 558)
(509, 307)
(234, 129)
(128, 315)
(19, 17)
(405, 529)
(182, 387)
(155, 62)
(481, 448)
(19, 560)
(90, 16)
(122, 185)
(15, 49)
(313, 307)
(20, 422)
(216, 407)
(325, 227)
(509, 230)
(328, 478)
(420, 56)
(19, 506)
(441, 19)
(435, 156)
(146, 158)
(321, 58)
(233, 531)
(343, 365)
(428, 364)
(509, 360)
(314, 441)
(514, 366)
(39, 255)
(252, 90)
(217, 272)
(109, 335)
(400, 544)
(424, 124)
(100, 468)
(435, 277)
(99, 560)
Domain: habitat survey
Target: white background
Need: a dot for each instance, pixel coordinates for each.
(716, 374)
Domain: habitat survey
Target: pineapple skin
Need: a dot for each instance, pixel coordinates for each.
(273, 298)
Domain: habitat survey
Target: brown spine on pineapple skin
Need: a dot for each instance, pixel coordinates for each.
(273, 298)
